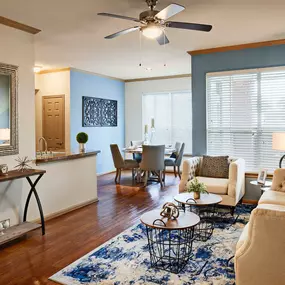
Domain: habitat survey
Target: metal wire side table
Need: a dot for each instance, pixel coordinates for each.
(205, 208)
(170, 241)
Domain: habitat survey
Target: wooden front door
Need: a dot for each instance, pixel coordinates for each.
(54, 122)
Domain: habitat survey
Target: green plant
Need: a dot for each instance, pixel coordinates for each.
(82, 137)
(196, 186)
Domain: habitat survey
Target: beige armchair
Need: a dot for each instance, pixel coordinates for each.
(259, 251)
(231, 189)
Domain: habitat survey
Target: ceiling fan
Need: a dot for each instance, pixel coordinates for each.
(154, 22)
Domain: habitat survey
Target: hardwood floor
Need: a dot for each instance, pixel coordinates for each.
(69, 237)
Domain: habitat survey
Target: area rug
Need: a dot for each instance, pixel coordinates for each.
(125, 259)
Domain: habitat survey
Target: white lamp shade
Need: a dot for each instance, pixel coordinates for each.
(278, 141)
(4, 134)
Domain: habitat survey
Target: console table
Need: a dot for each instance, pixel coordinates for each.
(25, 227)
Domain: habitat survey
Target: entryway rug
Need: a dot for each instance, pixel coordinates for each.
(125, 259)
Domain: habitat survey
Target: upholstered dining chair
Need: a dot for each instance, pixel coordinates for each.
(137, 156)
(175, 162)
(176, 152)
(120, 163)
(153, 162)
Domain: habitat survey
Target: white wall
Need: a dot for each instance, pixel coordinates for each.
(51, 84)
(66, 184)
(133, 101)
(17, 48)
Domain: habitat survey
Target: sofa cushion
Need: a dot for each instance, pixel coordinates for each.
(243, 236)
(215, 166)
(215, 185)
(272, 197)
(272, 207)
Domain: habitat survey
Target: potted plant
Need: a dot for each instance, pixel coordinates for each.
(196, 187)
(82, 139)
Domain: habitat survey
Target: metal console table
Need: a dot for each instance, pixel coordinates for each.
(25, 227)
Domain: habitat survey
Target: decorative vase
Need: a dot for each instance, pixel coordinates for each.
(81, 147)
(196, 195)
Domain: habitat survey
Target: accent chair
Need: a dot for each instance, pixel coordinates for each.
(231, 189)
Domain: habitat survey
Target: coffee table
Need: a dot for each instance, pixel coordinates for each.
(205, 208)
(170, 241)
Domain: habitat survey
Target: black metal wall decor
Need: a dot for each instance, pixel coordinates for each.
(98, 112)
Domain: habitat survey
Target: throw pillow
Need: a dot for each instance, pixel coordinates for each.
(215, 166)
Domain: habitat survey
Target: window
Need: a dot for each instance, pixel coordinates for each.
(244, 108)
(172, 114)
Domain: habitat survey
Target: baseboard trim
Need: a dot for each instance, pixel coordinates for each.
(67, 210)
(105, 173)
(251, 202)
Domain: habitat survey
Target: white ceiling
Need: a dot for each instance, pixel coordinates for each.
(73, 35)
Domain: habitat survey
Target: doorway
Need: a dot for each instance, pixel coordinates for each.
(53, 121)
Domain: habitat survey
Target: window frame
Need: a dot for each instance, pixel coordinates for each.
(257, 71)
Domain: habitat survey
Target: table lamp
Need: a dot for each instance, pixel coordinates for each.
(5, 135)
(278, 143)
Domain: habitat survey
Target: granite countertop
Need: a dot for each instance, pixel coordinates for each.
(59, 156)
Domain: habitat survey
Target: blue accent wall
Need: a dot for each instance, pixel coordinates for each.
(223, 61)
(100, 138)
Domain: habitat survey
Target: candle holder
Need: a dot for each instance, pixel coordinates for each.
(152, 132)
(146, 139)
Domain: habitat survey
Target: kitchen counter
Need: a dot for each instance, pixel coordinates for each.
(60, 156)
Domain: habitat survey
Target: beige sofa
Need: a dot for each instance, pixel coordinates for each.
(260, 251)
(230, 189)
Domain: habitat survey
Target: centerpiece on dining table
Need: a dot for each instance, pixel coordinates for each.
(196, 187)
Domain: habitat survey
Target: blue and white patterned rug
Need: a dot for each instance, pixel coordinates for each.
(125, 260)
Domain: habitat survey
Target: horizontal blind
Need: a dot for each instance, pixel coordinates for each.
(244, 109)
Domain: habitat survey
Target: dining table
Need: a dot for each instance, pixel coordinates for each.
(138, 149)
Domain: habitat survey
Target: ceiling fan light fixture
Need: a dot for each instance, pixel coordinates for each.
(152, 31)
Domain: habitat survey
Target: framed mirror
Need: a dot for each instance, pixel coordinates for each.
(8, 109)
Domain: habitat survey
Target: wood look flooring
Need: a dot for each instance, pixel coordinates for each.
(31, 261)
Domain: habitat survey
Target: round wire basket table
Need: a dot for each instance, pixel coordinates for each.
(205, 208)
(170, 240)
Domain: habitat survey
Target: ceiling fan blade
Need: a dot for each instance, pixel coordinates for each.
(162, 39)
(169, 11)
(189, 26)
(123, 32)
(119, 17)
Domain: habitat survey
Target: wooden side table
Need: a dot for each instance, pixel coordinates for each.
(25, 227)
(170, 241)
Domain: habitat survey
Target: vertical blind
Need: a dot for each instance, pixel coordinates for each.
(172, 114)
(244, 108)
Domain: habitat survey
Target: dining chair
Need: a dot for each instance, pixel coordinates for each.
(153, 162)
(177, 148)
(137, 156)
(175, 162)
(120, 163)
